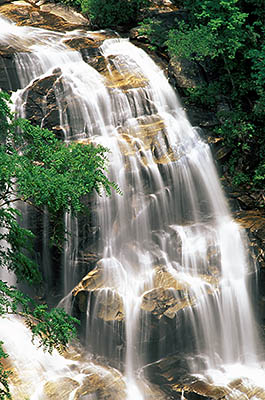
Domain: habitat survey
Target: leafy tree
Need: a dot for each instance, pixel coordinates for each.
(227, 36)
(39, 169)
(110, 13)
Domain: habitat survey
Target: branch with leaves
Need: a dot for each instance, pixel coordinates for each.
(39, 169)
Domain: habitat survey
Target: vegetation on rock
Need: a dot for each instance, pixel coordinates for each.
(226, 39)
(39, 169)
(110, 13)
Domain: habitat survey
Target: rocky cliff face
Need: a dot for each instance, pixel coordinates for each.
(158, 302)
(181, 74)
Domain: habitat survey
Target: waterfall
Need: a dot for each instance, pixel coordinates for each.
(168, 247)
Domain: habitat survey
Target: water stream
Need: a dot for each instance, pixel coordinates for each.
(169, 237)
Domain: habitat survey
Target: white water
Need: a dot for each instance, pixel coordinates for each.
(172, 212)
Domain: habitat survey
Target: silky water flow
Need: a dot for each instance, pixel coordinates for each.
(168, 239)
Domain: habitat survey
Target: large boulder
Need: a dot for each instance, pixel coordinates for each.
(185, 73)
(165, 302)
(41, 107)
(51, 17)
(59, 387)
(172, 375)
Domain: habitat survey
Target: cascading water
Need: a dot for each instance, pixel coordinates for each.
(168, 246)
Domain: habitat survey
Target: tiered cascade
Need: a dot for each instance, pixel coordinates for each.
(171, 268)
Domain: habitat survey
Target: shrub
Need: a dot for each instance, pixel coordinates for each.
(112, 12)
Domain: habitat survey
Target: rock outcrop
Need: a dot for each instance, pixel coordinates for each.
(49, 16)
(172, 375)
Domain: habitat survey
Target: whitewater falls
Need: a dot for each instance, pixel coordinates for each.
(172, 268)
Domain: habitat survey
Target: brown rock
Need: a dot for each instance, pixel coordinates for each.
(124, 81)
(253, 220)
(108, 302)
(93, 280)
(97, 62)
(150, 130)
(106, 384)
(61, 387)
(69, 15)
(109, 305)
(185, 73)
(246, 387)
(164, 279)
(208, 390)
(80, 43)
(41, 106)
(28, 14)
(165, 302)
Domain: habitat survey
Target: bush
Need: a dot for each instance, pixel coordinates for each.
(109, 14)
(228, 36)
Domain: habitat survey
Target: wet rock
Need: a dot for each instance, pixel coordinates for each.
(89, 42)
(41, 106)
(124, 81)
(166, 302)
(108, 304)
(164, 279)
(202, 118)
(60, 387)
(8, 48)
(246, 388)
(254, 222)
(8, 74)
(97, 62)
(206, 390)
(73, 351)
(87, 260)
(173, 377)
(106, 385)
(163, 6)
(153, 136)
(80, 43)
(222, 152)
(93, 280)
(171, 374)
(24, 13)
(185, 73)
(69, 15)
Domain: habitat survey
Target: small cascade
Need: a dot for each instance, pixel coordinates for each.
(171, 270)
(38, 375)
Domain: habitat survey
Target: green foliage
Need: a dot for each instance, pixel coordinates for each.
(239, 136)
(48, 164)
(37, 168)
(53, 329)
(193, 43)
(113, 12)
(15, 241)
(228, 36)
(214, 29)
(4, 375)
(48, 172)
(155, 31)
